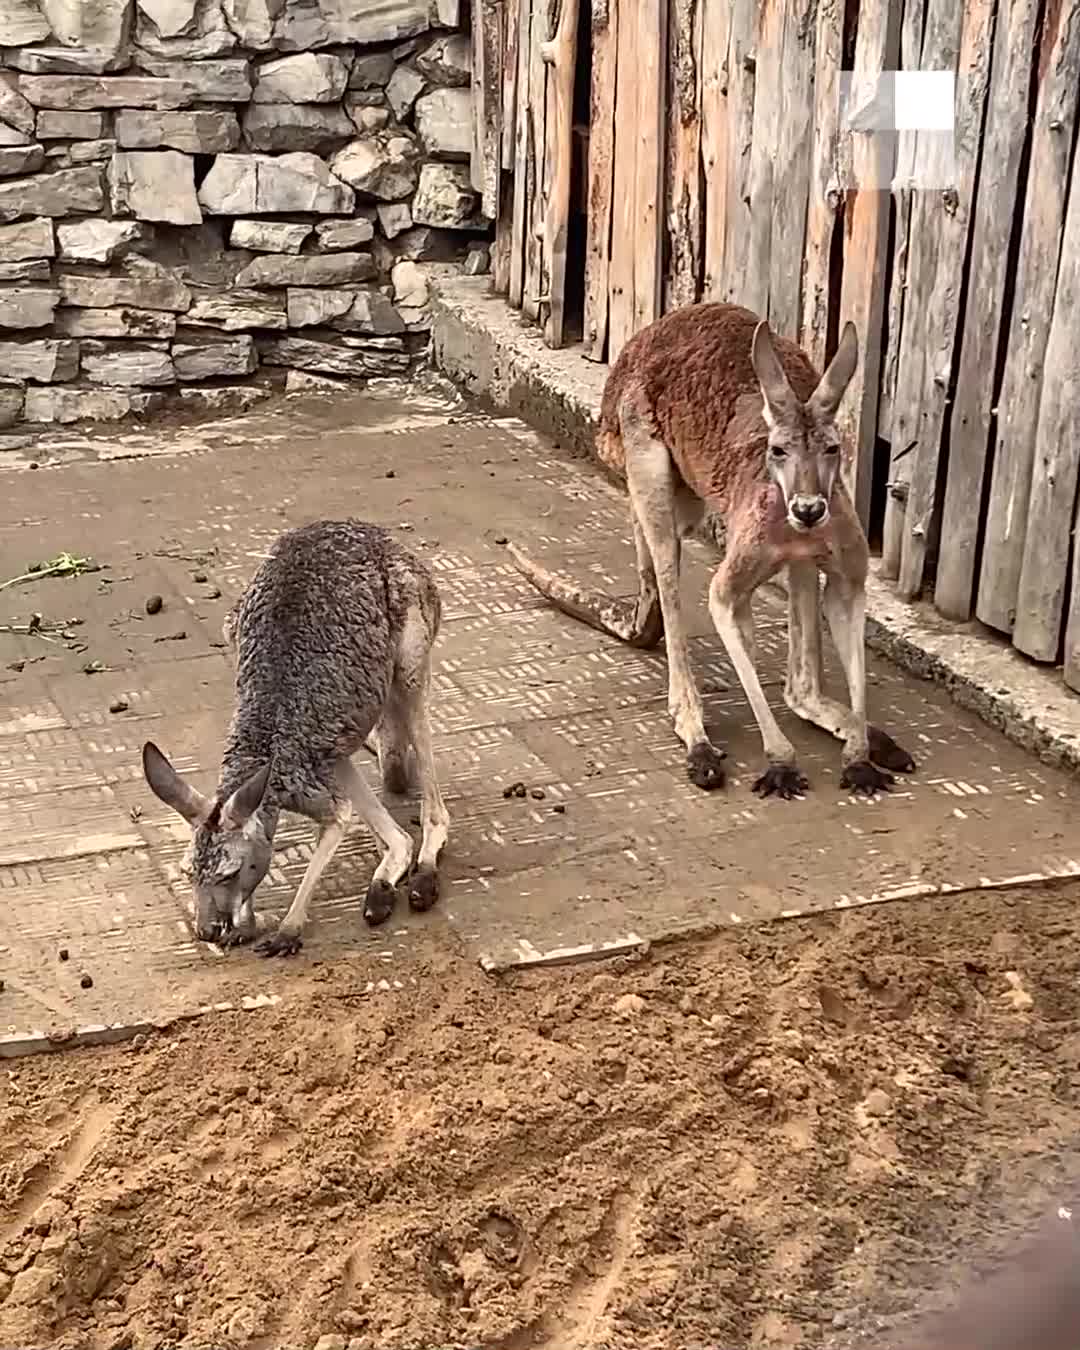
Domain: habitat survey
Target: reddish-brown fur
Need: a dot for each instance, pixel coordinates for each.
(691, 375)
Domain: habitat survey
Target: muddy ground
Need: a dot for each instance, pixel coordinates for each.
(793, 1135)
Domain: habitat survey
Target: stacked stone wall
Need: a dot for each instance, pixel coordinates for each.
(205, 193)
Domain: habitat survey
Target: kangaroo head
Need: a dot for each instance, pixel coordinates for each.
(231, 849)
(803, 455)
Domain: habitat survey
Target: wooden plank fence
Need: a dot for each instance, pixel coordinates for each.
(726, 162)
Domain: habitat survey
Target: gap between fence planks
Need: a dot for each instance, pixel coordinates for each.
(911, 40)
(598, 246)
(995, 218)
(866, 245)
(683, 217)
(560, 55)
(1044, 577)
(1044, 211)
(825, 195)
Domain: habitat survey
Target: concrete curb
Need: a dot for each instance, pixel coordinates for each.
(493, 354)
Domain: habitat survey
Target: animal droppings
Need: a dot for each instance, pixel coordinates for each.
(86, 982)
(63, 953)
(154, 604)
(119, 705)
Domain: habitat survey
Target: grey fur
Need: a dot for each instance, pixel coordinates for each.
(332, 640)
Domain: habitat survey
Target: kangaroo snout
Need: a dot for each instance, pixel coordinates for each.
(806, 512)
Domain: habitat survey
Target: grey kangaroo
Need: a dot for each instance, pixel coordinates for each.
(332, 641)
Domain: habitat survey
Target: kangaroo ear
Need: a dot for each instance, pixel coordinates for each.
(167, 785)
(775, 390)
(246, 800)
(833, 384)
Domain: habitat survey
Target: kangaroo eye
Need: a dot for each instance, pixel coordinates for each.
(777, 452)
(832, 449)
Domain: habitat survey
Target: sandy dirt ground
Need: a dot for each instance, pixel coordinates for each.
(794, 1135)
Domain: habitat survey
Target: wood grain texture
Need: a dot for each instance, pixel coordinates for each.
(1044, 574)
(623, 215)
(651, 15)
(717, 113)
(487, 87)
(520, 209)
(765, 135)
(508, 115)
(682, 194)
(995, 217)
(866, 246)
(791, 166)
(536, 272)
(1005, 530)
(724, 279)
(1072, 629)
(605, 29)
(560, 55)
(911, 40)
(825, 195)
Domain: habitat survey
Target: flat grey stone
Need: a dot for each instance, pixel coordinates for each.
(67, 60)
(32, 269)
(231, 398)
(331, 357)
(123, 322)
(27, 239)
(15, 109)
(206, 132)
(269, 236)
(313, 23)
(385, 165)
(127, 364)
(394, 217)
(445, 198)
(372, 70)
(102, 25)
(253, 21)
(309, 77)
(260, 184)
(154, 185)
(443, 120)
(70, 126)
(239, 311)
(18, 159)
(27, 306)
(145, 287)
(214, 357)
(60, 404)
(11, 405)
(330, 269)
(98, 241)
(285, 127)
(71, 93)
(182, 30)
(404, 89)
(21, 21)
(68, 192)
(79, 152)
(359, 311)
(41, 359)
(447, 61)
(224, 81)
(336, 236)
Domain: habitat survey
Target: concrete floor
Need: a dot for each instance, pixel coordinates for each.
(90, 861)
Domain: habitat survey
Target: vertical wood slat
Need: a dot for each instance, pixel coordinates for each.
(791, 166)
(520, 208)
(500, 249)
(508, 118)
(535, 293)
(560, 56)
(753, 284)
(866, 246)
(1044, 210)
(824, 192)
(1044, 576)
(911, 40)
(649, 171)
(941, 321)
(605, 30)
(621, 273)
(487, 51)
(1072, 629)
(716, 144)
(724, 274)
(995, 215)
(684, 130)
(937, 230)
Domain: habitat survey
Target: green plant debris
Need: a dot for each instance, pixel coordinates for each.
(63, 565)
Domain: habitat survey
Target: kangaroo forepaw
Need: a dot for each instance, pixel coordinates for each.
(379, 903)
(863, 778)
(782, 780)
(705, 767)
(423, 889)
(280, 943)
(885, 751)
